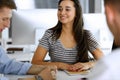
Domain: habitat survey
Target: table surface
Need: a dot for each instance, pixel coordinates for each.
(20, 56)
(61, 75)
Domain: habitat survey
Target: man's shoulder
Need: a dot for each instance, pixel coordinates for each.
(114, 54)
(107, 66)
(112, 58)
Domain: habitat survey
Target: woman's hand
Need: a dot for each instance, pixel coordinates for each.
(62, 66)
(79, 67)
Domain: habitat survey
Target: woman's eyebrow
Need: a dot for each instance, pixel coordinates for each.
(65, 7)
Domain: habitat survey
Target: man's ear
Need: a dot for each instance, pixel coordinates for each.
(109, 11)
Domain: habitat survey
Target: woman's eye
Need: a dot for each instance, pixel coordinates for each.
(59, 9)
(67, 9)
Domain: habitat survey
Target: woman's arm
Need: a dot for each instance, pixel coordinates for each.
(97, 54)
(39, 57)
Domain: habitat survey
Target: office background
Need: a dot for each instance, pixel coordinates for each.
(95, 7)
(88, 6)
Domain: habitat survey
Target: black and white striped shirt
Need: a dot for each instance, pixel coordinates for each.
(57, 52)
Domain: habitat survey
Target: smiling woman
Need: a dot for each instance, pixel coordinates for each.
(45, 4)
(68, 43)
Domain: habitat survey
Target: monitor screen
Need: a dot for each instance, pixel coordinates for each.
(27, 23)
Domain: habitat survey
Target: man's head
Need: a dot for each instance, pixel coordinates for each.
(6, 7)
(112, 11)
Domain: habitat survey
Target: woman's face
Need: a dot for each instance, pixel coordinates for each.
(66, 12)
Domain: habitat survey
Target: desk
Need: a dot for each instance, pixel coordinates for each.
(60, 76)
(20, 56)
(25, 57)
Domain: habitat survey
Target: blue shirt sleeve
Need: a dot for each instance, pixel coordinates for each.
(3, 78)
(10, 66)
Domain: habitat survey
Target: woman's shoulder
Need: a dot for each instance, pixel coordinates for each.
(87, 32)
(48, 31)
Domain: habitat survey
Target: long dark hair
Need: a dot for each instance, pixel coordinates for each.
(80, 35)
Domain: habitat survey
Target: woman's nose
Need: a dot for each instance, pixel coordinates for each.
(62, 12)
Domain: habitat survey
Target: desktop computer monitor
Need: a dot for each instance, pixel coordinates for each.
(25, 24)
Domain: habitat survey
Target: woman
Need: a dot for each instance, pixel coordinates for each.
(68, 43)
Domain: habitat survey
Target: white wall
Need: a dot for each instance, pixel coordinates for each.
(96, 23)
(25, 4)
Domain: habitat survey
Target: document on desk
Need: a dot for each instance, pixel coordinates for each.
(36, 77)
(26, 79)
(71, 73)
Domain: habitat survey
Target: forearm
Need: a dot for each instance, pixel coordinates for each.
(35, 69)
(46, 63)
(45, 72)
(60, 65)
(91, 64)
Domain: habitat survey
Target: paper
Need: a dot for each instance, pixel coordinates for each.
(26, 78)
(77, 73)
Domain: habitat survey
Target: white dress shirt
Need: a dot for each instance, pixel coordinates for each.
(108, 68)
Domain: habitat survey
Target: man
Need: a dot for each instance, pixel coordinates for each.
(108, 68)
(9, 66)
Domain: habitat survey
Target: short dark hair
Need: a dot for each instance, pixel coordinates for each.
(8, 3)
(113, 2)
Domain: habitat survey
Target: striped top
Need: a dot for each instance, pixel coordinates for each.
(57, 51)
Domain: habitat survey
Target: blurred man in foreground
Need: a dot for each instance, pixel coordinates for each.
(108, 67)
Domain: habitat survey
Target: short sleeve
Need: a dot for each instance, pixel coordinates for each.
(92, 42)
(44, 41)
